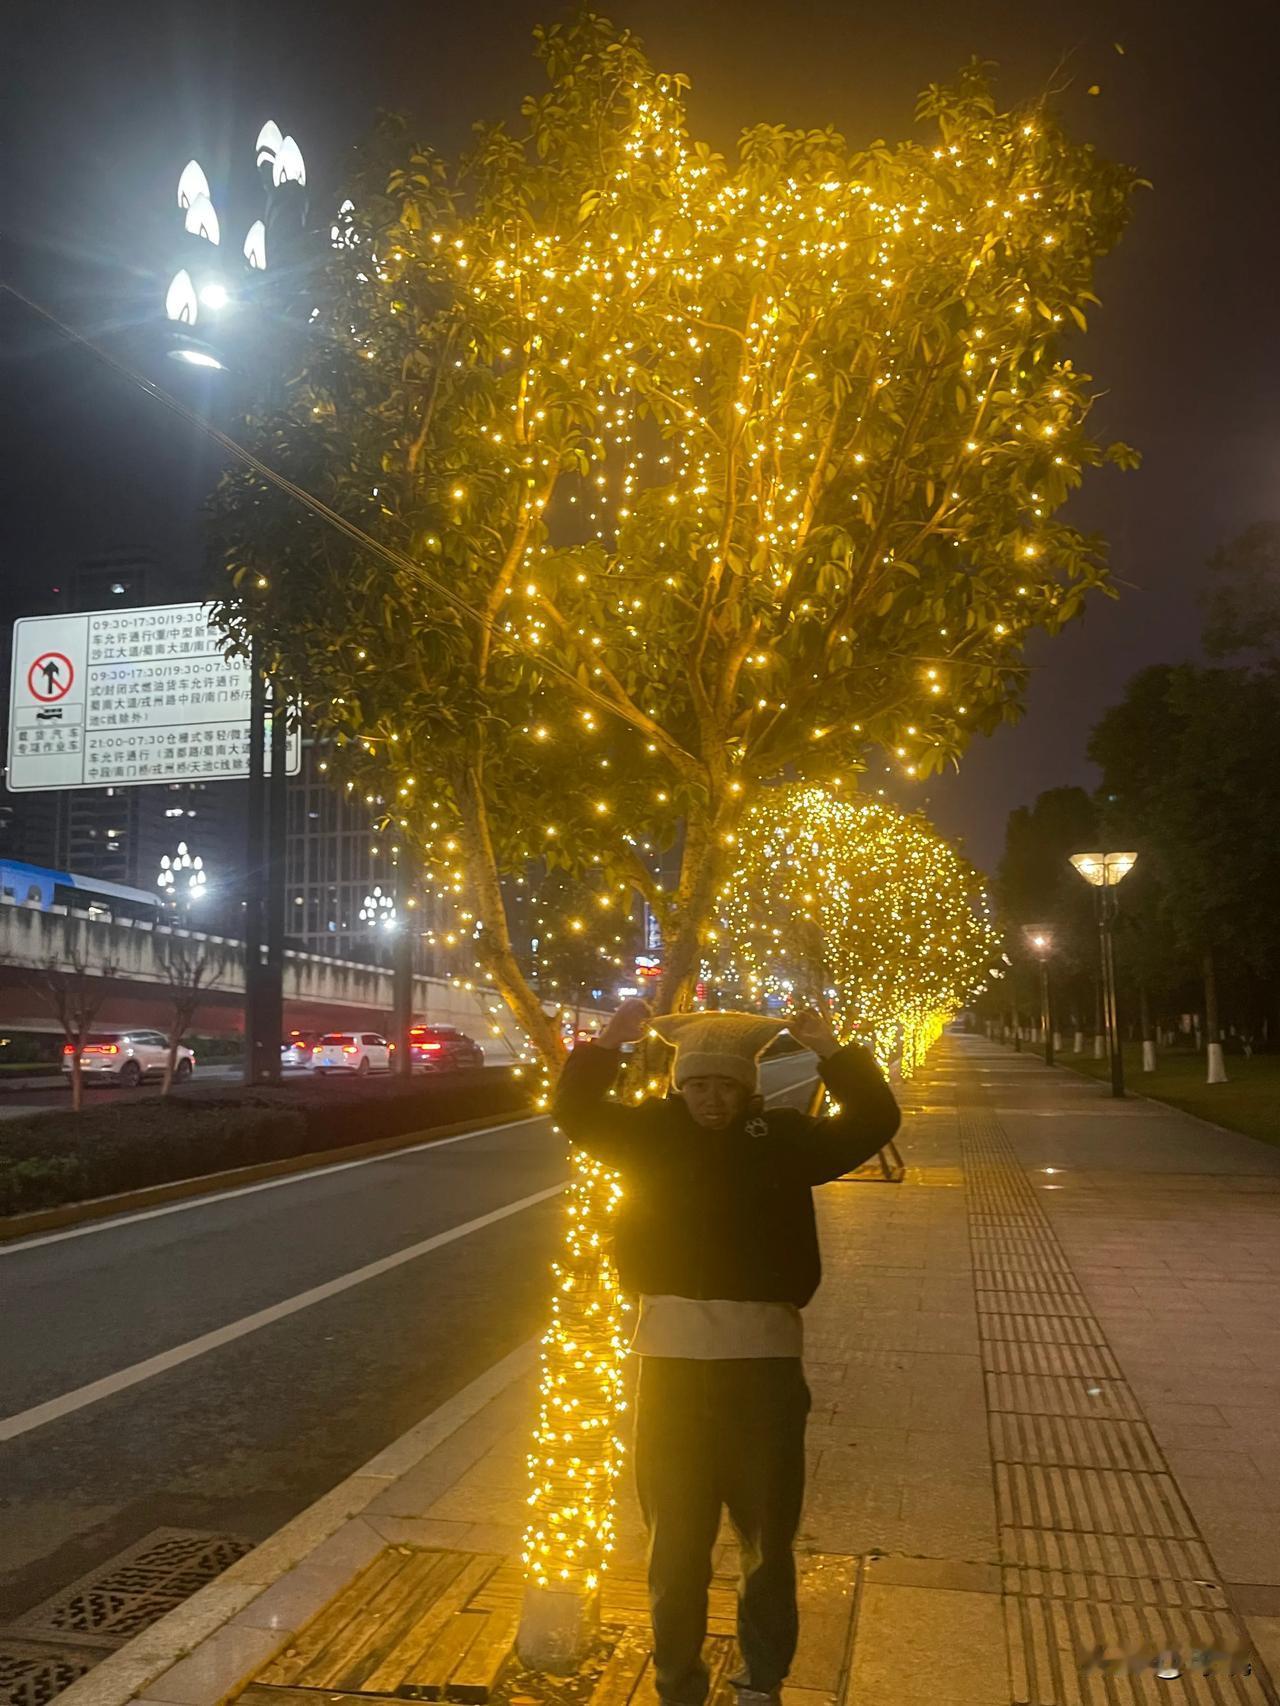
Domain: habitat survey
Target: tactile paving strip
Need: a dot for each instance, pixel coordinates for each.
(1070, 1652)
(1009, 1356)
(1041, 1329)
(1047, 1395)
(1095, 1501)
(1106, 1578)
(1096, 1444)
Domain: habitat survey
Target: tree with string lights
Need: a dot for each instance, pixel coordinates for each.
(859, 908)
(707, 472)
(652, 477)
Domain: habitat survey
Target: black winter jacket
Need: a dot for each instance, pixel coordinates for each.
(726, 1214)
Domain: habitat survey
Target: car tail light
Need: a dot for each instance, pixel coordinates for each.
(94, 1048)
(317, 1049)
(350, 1048)
(431, 1048)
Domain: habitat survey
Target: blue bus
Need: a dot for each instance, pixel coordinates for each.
(36, 886)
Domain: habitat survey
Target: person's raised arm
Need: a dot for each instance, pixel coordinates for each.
(582, 1107)
(868, 1117)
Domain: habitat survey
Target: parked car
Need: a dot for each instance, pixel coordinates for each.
(361, 1052)
(441, 1048)
(127, 1057)
(297, 1051)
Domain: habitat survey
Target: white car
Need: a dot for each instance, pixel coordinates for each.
(361, 1052)
(127, 1057)
(297, 1051)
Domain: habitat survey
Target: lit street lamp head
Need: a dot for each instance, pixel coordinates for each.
(192, 184)
(1104, 870)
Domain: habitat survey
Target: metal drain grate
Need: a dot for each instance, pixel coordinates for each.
(32, 1674)
(129, 1592)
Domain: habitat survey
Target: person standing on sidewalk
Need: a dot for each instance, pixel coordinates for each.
(716, 1235)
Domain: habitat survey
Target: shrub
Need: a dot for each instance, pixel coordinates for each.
(63, 1157)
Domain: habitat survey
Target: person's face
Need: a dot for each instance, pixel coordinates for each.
(715, 1102)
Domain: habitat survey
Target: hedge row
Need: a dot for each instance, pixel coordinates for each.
(50, 1159)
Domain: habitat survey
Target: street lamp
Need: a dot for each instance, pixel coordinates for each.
(379, 910)
(210, 303)
(182, 879)
(1039, 939)
(1105, 871)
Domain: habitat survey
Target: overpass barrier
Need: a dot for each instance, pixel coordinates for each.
(135, 957)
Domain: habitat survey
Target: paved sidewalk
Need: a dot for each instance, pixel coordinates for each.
(1045, 1442)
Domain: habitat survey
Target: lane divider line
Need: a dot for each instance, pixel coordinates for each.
(40, 1415)
(201, 1199)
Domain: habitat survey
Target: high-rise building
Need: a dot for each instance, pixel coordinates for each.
(330, 863)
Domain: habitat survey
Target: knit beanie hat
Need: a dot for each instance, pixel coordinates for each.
(723, 1045)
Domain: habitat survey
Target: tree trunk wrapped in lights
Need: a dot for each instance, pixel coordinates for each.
(577, 1447)
(857, 906)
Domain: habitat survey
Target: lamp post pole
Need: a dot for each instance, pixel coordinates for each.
(1105, 871)
(1040, 940)
(255, 875)
(1106, 912)
(251, 340)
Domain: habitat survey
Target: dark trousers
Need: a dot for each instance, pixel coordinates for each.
(728, 1433)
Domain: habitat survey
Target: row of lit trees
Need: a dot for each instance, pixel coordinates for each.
(636, 479)
(857, 908)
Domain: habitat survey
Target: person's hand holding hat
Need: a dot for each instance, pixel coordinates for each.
(811, 1030)
(628, 1024)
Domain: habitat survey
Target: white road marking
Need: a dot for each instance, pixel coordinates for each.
(17, 1246)
(110, 1224)
(26, 1421)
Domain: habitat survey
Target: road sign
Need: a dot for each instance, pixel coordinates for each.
(118, 698)
(50, 677)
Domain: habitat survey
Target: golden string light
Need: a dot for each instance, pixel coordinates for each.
(577, 1450)
(859, 907)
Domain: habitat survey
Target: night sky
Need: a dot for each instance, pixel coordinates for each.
(110, 99)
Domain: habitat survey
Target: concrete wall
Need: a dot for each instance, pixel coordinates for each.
(320, 994)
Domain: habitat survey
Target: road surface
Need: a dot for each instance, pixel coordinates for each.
(173, 1368)
(41, 1095)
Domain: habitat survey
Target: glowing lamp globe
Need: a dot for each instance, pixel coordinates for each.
(288, 166)
(202, 220)
(192, 184)
(255, 246)
(269, 139)
(180, 301)
(1104, 870)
